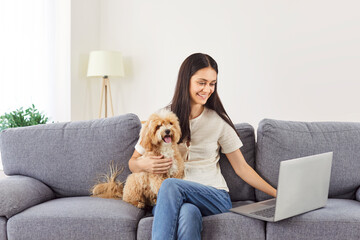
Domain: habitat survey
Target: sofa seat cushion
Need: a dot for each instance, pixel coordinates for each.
(218, 227)
(3, 221)
(76, 218)
(339, 219)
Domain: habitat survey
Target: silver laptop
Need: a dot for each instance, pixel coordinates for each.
(302, 187)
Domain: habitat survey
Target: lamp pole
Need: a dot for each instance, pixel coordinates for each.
(105, 85)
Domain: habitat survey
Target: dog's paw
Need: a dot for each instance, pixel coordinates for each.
(137, 204)
(140, 205)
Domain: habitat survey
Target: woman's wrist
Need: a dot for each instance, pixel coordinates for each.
(274, 192)
(135, 165)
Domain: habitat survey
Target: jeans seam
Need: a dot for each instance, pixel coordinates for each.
(175, 220)
(227, 198)
(211, 194)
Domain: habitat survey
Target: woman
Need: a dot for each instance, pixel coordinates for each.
(206, 128)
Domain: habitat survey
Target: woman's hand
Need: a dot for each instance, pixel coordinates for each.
(248, 174)
(151, 164)
(155, 164)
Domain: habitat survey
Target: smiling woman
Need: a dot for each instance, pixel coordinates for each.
(202, 86)
(206, 128)
(191, 96)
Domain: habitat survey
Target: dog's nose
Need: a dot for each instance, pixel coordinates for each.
(167, 131)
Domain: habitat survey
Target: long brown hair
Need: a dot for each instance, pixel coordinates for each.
(180, 103)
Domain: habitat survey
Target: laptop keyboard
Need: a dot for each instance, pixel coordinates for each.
(268, 212)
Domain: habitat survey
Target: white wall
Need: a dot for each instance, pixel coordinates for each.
(35, 50)
(85, 26)
(60, 92)
(291, 60)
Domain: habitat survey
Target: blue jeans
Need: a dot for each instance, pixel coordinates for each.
(180, 206)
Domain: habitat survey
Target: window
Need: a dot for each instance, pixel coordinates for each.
(27, 59)
(27, 54)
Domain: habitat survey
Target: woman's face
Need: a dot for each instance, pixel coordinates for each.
(202, 85)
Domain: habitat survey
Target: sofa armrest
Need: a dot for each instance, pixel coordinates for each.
(18, 193)
(358, 194)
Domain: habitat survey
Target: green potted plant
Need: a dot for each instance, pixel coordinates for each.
(22, 118)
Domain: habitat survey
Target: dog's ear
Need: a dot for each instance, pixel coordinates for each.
(145, 135)
(175, 125)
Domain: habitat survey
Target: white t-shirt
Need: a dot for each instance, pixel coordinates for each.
(209, 133)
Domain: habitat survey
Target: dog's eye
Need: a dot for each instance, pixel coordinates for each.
(157, 127)
(171, 123)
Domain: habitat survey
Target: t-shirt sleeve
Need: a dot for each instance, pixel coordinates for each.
(229, 140)
(139, 148)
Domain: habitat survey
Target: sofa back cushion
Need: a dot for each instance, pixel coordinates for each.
(282, 140)
(239, 190)
(70, 156)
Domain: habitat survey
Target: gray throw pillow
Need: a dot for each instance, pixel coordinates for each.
(18, 193)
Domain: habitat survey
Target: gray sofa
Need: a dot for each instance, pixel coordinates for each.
(52, 167)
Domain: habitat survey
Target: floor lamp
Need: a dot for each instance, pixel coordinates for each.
(104, 64)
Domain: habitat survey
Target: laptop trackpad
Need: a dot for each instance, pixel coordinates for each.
(256, 206)
(270, 202)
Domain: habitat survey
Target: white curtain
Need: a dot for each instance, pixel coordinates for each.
(27, 54)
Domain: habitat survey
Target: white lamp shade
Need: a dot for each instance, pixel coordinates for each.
(105, 63)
